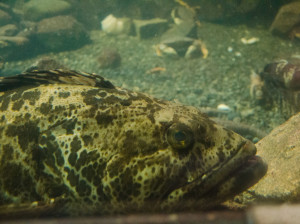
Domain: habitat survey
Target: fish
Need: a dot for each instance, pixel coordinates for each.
(72, 143)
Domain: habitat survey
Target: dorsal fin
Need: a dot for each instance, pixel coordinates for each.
(39, 77)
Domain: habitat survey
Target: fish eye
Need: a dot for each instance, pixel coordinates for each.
(180, 136)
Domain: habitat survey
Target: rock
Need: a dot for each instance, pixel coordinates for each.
(16, 40)
(8, 30)
(61, 33)
(287, 17)
(39, 9)
(109, 58)
(14, 47)
(221, 10)
(149, 28)
(281, 150)
(5, 18)
(113, 25)
(28, 28)
(46, 63)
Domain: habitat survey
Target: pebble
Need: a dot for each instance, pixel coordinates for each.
(223, 107)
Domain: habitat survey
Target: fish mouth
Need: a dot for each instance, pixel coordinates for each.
(240, 172)
(228, 179)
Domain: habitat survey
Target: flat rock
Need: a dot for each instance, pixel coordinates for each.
(39, 9)
(219, 10)
(61, 33)
(8, 30)
(287, 17)
(14, 47)
(281, 150)
(150, 28)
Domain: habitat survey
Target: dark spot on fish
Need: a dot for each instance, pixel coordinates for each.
(7, 153)
(45, 108)
(89, 97)
(16, 95)
(69, 126)
(64, 94)
(27, 133)
(18, 105)
(27, 116)
(83, 189)
(221, 154)
(87, 139)
(102, 94)
(72, 158)
(32, 96)
(59, 157)
(59, 109)
(75, 144)
(227, 144)
(73, 178)
(23, 183)
(88, 172)
(5, 102)
(104, 119)
(153, 170)
(125, 102)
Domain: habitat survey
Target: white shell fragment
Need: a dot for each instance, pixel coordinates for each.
(113, 25)
(223, 107)
(252, 40)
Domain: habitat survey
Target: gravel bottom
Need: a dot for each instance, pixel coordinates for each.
(223, 77)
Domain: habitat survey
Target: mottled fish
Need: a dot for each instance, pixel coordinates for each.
(72, 143)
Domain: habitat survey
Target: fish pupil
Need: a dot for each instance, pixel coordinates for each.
(180, 136)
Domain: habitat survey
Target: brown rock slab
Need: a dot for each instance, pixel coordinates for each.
(39, 9)
(281, 150)
(61, 33)
(218, 10)
(14, 41)
(287, 17)
(149, 28)
(8, 30)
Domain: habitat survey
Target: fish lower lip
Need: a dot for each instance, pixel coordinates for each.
(253, 163)
(245, 169)
(253, 160)
(252, 167)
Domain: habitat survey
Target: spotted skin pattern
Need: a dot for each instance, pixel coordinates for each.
(98, 149)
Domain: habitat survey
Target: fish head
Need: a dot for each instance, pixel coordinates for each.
(183, 160)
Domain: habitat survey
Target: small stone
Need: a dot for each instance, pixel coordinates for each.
(39, 9)
(223, 107)
(15, 41)
(113, 25)
(109, 58)
(8, 30)
(149, 28)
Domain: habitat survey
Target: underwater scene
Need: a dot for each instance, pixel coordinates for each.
(172, 111)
